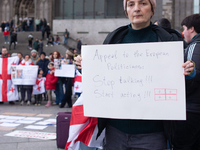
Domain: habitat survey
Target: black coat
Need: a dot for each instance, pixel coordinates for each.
(117, 36)
(43, 65)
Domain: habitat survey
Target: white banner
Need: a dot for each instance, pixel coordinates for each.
(134, 81)
(63, 70)
(39, 88)
(24, 75)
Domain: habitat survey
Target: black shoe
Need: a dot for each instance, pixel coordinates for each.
(1, 102)
(69, 106)
(11, 103)
(62, 106)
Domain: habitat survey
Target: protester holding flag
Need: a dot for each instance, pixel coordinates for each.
(137, 134)
(39, 88)
(50, 83)
(26, 88)
(59, 86)
(67, 81)
(8, 90)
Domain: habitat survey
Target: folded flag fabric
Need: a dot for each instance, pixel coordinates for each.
(83, 129)
(78, 82)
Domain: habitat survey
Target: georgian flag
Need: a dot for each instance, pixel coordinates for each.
(83, 129)
(39, 87)
(8, 91)
(78, 82)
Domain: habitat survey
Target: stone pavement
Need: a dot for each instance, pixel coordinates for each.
(18, 143)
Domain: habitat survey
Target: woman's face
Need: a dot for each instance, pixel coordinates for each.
(26, 58)
(139, 13)
(55, 55)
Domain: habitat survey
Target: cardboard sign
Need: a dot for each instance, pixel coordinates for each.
(24, 75)
(63, 70)
(134, 81)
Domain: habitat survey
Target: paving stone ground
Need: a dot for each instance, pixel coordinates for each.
(17, 143)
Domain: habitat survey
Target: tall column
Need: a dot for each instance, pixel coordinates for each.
(195, 6)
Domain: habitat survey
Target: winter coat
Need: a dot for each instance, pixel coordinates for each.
(40, 50)
(6, 33)
(51, 81)
(43, 64)
(35, 45)
(192, 86)
(117, 36)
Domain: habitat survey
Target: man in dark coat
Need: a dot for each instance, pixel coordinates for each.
(43, 63)
(79, 43)
(2, 26)
(40, 50)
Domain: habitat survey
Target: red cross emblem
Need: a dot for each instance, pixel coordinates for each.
(39, 87)
(77, 87)
(4, 77)
(12, 89)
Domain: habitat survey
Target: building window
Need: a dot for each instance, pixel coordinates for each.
(88, 9)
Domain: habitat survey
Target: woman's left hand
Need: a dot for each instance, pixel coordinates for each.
(188, 67)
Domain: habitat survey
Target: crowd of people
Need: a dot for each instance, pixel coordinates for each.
(46, 70)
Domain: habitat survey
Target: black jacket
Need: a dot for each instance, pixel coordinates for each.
(192, 52)
(117, 36)
(43, 65)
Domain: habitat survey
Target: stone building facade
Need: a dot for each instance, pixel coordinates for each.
(90, 20)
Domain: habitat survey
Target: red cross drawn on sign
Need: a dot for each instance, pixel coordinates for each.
(4, 76)
(39, 87)
(77, 87)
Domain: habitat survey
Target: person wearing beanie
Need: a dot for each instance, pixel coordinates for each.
(123, 134)
(34, 56)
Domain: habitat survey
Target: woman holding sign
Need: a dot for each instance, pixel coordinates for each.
(137, 134)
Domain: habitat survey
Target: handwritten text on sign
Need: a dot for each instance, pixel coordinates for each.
(134, 81)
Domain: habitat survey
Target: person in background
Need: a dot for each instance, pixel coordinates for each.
(2, 26)
(38, 97)
(50, 83)
(50, 41)
(48, 30)
(26, 88)
(34, 56)
(79, 43)
(13, 40)
(20, 55)
(186, 133)
(57, 41)
(36, 44)
(59, 85)
(37, 23)
(30, 40)
(40, 49)
(67, 81)
(43, 63)
(50, 57)
(66, 36)
(5, 35)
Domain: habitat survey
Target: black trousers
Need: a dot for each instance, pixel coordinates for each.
(186, 134)
(11, 44)
(68, 94)
(30, 43)
(29, 92)
(38, 98)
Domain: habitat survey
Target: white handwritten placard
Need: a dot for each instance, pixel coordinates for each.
(134, 81)
(66, 70)
(24, 75)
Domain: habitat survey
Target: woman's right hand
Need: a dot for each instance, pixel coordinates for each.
(77, 61)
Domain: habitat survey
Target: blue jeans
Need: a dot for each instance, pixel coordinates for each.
(59, 91)
(6, 38)
(65, 41)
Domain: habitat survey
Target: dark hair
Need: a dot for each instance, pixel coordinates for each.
(39, 70)
(27, 55)
(164, 23)
(3, 47)
(43, 53)
(192, 21)
(20, 53)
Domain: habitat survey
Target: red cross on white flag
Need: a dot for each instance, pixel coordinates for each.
(8, 91)
(78, 83)
(39, 87)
